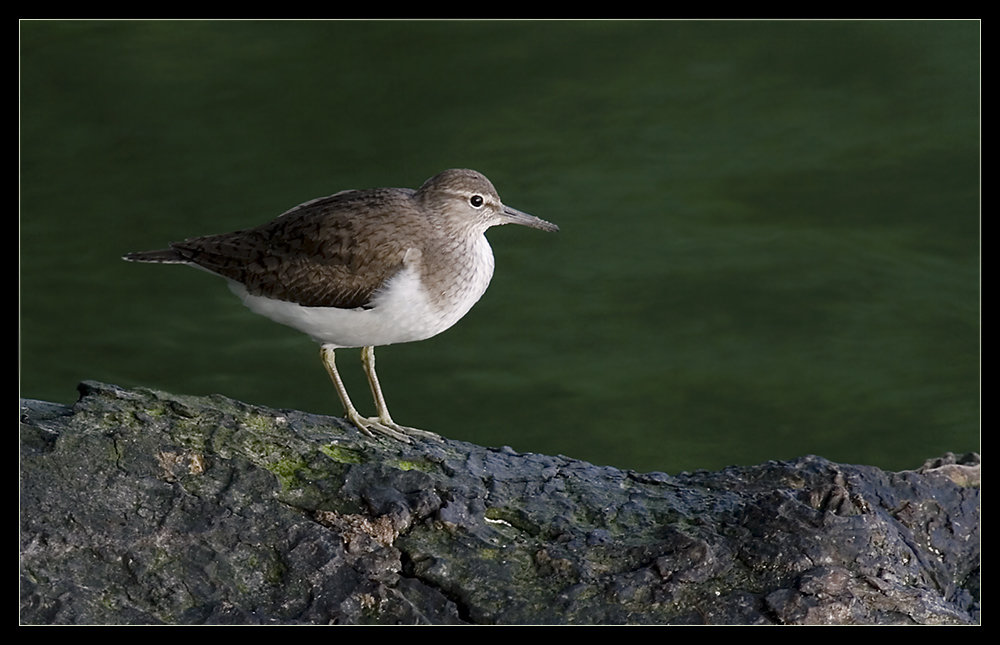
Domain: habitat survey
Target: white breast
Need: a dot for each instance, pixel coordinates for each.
(403, 311)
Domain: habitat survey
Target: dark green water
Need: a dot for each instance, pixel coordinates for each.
(770, 238)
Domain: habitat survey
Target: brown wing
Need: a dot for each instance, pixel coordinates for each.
(331, 252)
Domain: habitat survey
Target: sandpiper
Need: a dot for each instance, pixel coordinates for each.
(364, 268)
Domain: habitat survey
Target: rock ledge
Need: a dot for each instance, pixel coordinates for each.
(142, 507)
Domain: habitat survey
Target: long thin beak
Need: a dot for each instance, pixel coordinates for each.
(514, 216)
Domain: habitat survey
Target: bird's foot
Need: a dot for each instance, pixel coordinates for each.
(389, 428)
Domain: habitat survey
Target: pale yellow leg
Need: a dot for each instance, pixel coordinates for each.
(383, 422)
(368, 361)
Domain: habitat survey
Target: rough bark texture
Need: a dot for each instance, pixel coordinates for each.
(143, 507)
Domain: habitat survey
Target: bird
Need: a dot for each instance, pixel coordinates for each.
(364, 268)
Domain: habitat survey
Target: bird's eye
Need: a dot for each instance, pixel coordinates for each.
(476, 201)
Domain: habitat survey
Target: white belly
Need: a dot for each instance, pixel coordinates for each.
(404, 311)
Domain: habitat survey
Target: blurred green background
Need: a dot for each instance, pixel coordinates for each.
(770, 240)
